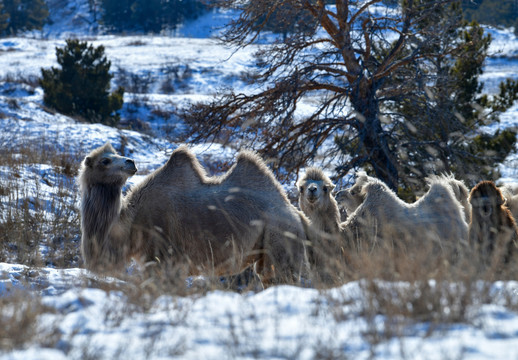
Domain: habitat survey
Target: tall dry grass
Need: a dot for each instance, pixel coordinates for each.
(39, 219)
(405, 287)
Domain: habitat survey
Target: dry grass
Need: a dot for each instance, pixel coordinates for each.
(19, 314)
(419, 285)
(40, 220)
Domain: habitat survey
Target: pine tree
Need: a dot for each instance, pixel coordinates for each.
(491, 12)
(117, 14)
(81, 86)
(147, 15)
(444, 104)
(25, 15)
(4, 17)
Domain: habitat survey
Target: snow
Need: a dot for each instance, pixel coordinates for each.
(93, 317)
(279, 322)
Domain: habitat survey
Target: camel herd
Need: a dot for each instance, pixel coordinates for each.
(224, 225)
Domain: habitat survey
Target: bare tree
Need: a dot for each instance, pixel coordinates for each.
(379, 76)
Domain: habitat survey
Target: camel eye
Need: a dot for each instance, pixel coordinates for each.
(325, 189)
(106, 161)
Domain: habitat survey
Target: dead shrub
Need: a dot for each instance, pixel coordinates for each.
(19, 313)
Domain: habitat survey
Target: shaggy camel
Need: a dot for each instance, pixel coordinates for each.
(492, 230)
(436, 216)
(317, 202)
(179, 215)
(351, 198)
(326, 253)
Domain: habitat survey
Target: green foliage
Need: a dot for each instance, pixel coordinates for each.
(505, 98)
(149, 15)
(439, 117)
(22, 15)
(4, 17)
(492, 12)
(81, 86)
(468, 66)
(491, 150)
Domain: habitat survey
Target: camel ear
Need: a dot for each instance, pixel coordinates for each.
(329, 187)
(362, 174)
(300, 185)
(108, 146)
(365, 189)
(89, 162)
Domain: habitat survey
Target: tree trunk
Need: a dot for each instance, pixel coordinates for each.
(376, 146)
(372, 135)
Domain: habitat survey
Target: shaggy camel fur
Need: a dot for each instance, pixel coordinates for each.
(317, 202)
(492, 230)
(179, 215)
(351, 198)
(460, 190)
(382, 216)
(510, 193)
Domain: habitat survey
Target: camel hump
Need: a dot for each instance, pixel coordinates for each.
(250, 171)
(183, 165)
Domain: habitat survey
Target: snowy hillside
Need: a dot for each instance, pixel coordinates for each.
(51, 308)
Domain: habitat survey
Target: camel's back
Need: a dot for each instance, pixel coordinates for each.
(437, 213)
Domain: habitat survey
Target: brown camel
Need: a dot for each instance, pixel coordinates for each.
(492, 230)
(179, 215)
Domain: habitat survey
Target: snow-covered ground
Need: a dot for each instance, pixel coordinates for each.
(83, 316)
(282, 322)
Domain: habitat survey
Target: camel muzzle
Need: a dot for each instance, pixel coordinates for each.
(130, 167)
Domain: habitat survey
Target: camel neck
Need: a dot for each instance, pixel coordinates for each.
(101, 207)
(326, 220)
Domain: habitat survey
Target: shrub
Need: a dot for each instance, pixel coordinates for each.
(21, 15)
(81, 86)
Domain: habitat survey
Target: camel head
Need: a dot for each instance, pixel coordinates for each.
(353, 197)
(103, 166)
(485, 198)
(315, 189)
